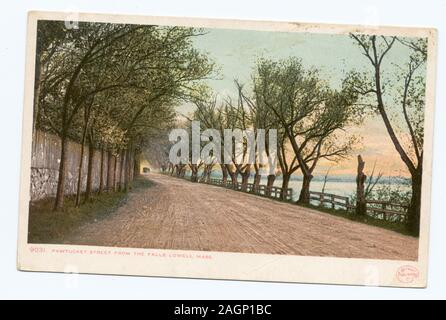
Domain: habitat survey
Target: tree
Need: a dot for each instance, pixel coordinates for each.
(288, 164)
(408, 100)
(211, 116)
(47, 73)
(261, 117)
(85, 45)
(152, 67)
(310, 114)
(238, 117)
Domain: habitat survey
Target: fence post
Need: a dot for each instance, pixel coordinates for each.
(361, 205)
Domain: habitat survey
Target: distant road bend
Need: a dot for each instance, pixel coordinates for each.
(178, 214)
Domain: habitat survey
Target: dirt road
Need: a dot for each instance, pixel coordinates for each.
(178, 214)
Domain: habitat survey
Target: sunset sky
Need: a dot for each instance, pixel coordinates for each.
(236, 52)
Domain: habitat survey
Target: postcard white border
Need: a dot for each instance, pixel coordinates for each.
(222, 265)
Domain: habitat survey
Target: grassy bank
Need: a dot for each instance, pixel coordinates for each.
(394, 226)
(47, 226)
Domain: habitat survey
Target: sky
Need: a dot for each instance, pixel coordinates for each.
(235, 53)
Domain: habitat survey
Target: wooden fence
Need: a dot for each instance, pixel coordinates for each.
(395, 212)
(333, 199)
(262, 190)
(384, 210)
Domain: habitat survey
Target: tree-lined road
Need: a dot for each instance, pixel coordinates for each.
(178, 214)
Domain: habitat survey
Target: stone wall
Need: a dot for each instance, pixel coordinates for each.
(45, 166)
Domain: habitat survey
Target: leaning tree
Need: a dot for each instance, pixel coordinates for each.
(395, 90)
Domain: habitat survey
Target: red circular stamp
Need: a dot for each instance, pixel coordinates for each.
(407, 274)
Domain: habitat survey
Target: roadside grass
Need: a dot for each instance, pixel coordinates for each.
(394, 226)
(48, 226)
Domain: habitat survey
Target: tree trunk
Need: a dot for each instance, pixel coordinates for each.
(37, 86)
(256, 183)
(115, 167)
(413, 212)
(269, 184)
(89, 171)
(182, 171)
(208, 173)
(224, 173)
(234, 176)
(194, 173)
(101, 175)
(60, 194)
(79, 177)
(126, 164)
(204, 174)
(121, 172)
(361, 205)
(285, 182)
(245, 178)
(109, 171)
(126, 170)
(137, 166)
(304, 197)
(131, 167)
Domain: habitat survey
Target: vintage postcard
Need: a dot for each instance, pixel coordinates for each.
(225, 149)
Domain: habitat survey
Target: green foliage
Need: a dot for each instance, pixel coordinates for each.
(398, 193)
(394, 193)
(310, 113)
(126, 79)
